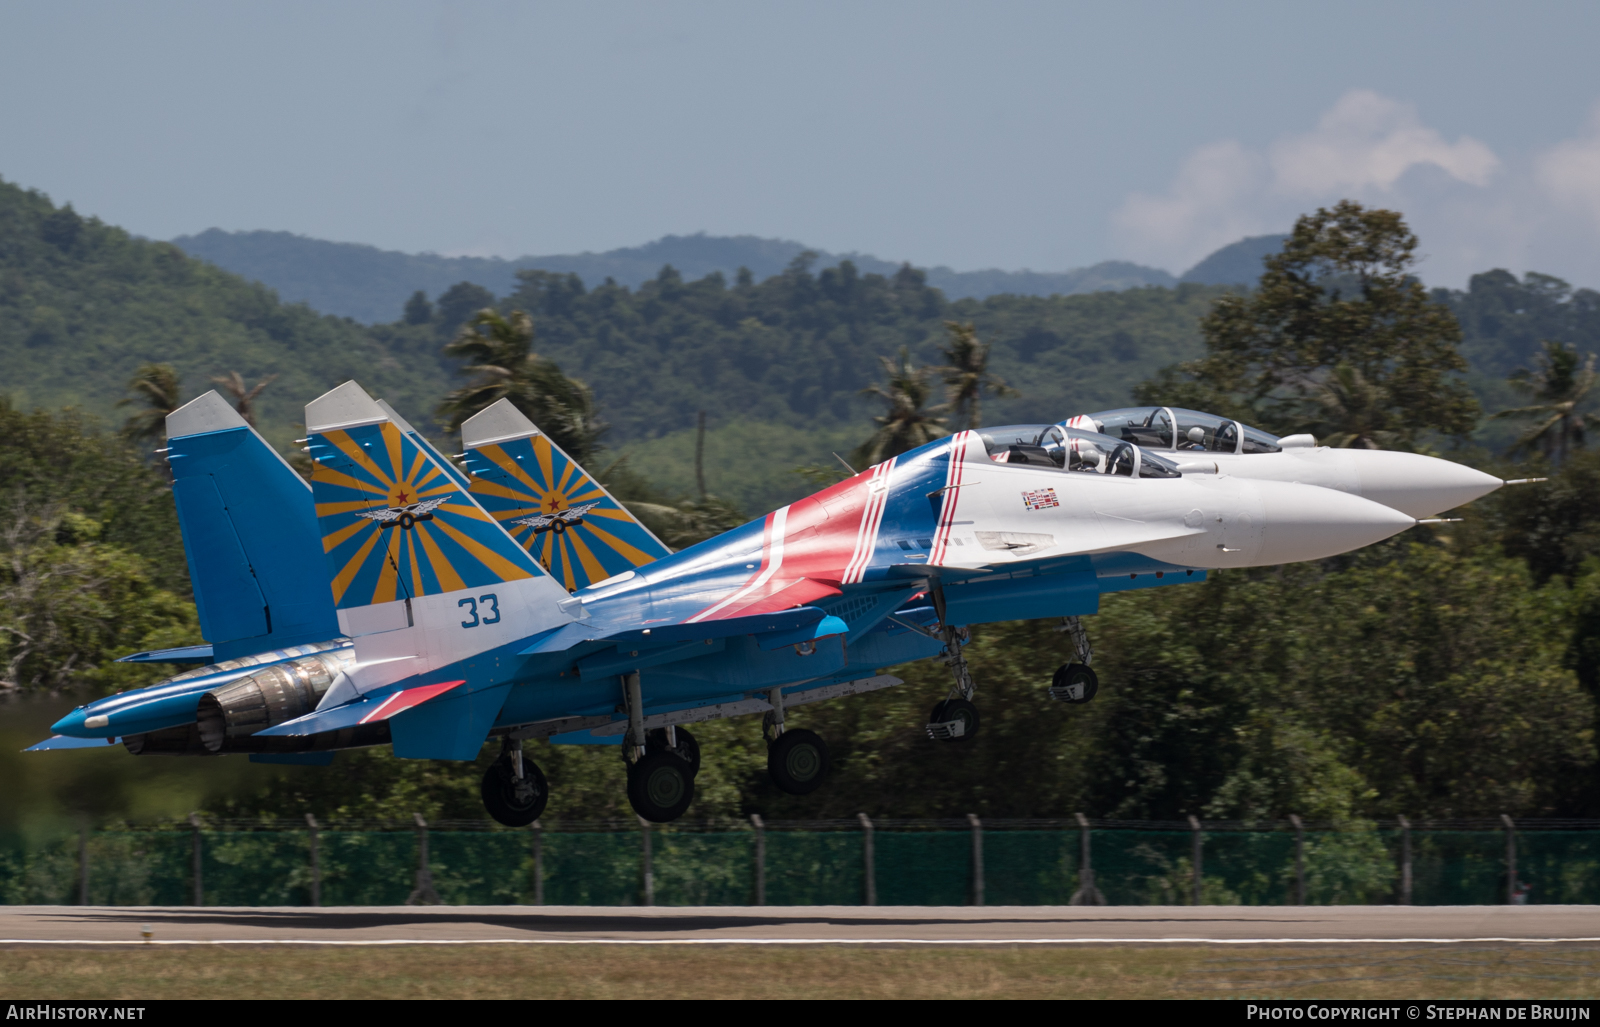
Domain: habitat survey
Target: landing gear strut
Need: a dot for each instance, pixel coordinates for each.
(1075, 683)
(661, 764)
(514, 789)
(797, 759)
(955, 719)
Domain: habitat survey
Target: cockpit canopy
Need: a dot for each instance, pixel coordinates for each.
(1072, 449)
(1196, 431)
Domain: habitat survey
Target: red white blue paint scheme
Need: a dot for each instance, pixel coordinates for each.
(402, 601)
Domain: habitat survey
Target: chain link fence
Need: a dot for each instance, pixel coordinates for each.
(798, 863)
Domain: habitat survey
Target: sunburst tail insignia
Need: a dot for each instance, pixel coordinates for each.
(553, 507)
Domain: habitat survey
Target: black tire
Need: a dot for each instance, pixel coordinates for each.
(956, 709)
(507, 803)
(798, 761)
(660, 787)
(688, 749)
(1069, 674)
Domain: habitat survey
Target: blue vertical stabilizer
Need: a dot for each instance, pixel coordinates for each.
(249, 532)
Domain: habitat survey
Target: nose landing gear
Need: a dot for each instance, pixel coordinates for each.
(1075, 683)
(955, 719)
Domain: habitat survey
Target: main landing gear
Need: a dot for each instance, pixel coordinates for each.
(797, 759)
(514, 789)
(1075, 683)
(661, 782)
(662, 763)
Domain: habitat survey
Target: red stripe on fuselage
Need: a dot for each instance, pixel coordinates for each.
(816, 540)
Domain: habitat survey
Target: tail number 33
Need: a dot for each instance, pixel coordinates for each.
(491, 613)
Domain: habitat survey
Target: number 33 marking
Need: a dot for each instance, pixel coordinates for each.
(492, 617)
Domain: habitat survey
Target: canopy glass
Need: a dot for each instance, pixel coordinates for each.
(1072, 449)
(1176, 429)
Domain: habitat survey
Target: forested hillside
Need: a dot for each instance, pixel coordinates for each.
(83, 304)
(370, 285)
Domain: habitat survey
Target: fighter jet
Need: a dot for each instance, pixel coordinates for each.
(331, 631)
(1412, 483)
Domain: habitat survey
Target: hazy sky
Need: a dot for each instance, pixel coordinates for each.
(980, 134)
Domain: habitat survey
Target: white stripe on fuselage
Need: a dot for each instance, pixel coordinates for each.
(779, 521)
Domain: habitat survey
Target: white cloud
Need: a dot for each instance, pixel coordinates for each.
(1569, 172)
(1207, 207)
(1472, 210)
(1368, 141)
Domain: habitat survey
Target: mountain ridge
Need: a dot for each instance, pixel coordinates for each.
(371, 285)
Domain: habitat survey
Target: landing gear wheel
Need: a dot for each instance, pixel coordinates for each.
(798, 761)
(1074, 683)
(660, 787)
(515, 803)
(954, 720)
(688, 749)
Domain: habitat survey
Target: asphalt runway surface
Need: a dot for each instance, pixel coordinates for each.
(799, 925)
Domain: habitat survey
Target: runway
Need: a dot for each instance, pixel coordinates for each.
(798, 925)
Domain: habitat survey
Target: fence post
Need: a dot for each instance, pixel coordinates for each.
(316, 861)
(1511, 860)
(538, 863)
(83, 863)
(761, 858)
(1405, 862)
(977, 858)
(1194, 828)
(423, 894)
(649, 869)
(1088, 893)
(869, 874)
(1299, 860)
(194, 831)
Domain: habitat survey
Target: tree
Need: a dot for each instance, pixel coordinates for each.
(909, 422)
(499, 351)
(418, 310)
(243, 398)
(156, 386)
(1558, 386)
(1341, 294)
(966, 372)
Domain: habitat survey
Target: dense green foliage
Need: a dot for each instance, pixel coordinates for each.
(83, 305)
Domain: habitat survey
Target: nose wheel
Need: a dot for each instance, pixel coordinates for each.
(514, 789)
(1074, 683)
(954, 720)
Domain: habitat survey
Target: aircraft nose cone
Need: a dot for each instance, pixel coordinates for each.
(1306, 522)
(1421, 486)
(71, 725)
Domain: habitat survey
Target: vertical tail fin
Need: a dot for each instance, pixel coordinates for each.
(406, 545)
(249, 532)
(551, 505)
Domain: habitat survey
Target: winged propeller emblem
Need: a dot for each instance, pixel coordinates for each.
(405, 516)
(557, 522)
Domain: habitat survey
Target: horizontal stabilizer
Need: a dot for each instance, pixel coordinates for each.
(366, 710)
(65, 742)
(183, 654)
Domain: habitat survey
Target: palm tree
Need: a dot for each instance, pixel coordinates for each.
(1351, 411)
(243, 399)
(966, 373)
(1558, 385)
(908, 423)
(157, 387)
(499, 351)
